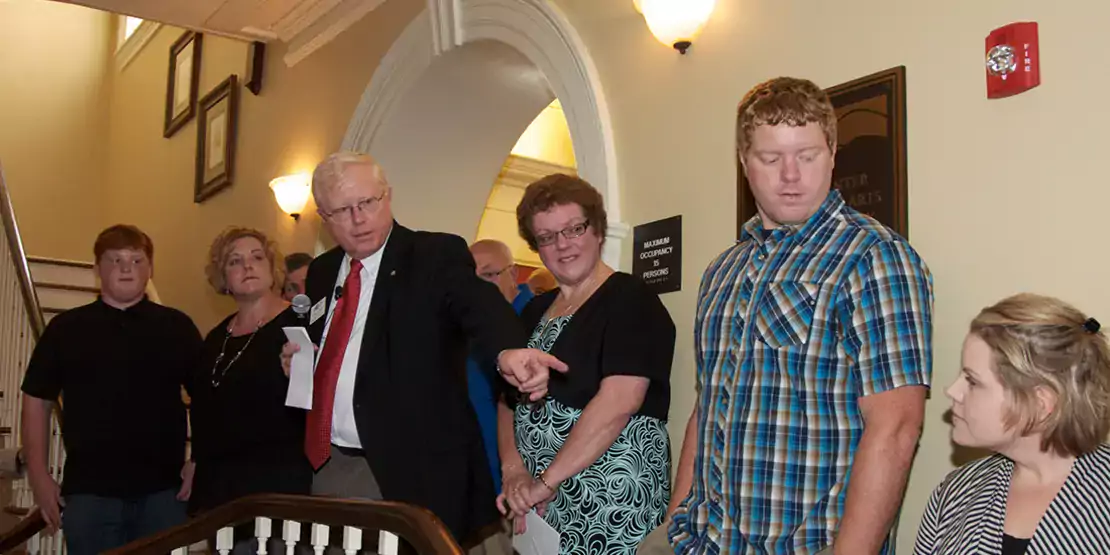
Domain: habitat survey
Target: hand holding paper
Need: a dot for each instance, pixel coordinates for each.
(300, 367)
(539, 538)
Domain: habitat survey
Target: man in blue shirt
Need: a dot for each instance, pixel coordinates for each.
(494, 263)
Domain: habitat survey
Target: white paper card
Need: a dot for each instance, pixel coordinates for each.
(299, 394)
(539, 538)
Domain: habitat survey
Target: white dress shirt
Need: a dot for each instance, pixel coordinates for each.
(343, 430)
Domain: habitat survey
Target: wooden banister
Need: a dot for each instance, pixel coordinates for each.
(416, 525)
(32, 524)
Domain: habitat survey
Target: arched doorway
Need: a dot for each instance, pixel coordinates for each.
(455, 92)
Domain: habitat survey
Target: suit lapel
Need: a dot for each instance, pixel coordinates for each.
(393, 260)
(321, 285)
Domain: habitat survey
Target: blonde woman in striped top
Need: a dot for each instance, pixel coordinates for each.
(1035, 389)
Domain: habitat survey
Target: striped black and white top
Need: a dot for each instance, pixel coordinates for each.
(967, 511)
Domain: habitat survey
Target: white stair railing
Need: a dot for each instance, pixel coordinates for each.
(21, 325)
(307, 524)
(17, 340)
(262, 540)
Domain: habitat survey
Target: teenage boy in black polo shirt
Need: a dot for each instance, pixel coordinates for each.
(118, 365)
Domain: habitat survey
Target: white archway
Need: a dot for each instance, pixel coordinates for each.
(510, 55)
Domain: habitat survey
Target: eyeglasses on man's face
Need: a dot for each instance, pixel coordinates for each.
(346, 214)
(491, 276)
(570, 232)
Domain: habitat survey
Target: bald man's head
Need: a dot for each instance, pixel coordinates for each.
(495, 264)
(541, 281)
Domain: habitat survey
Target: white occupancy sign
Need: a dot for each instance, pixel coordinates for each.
(657, 254)
(299, 394)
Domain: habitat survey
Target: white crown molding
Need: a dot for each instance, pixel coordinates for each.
(254, 33)
(302, 15)
(447, 30)
(613, 249)
(521, 171)
(319, 24)
(135, 43)
(539, 31)
(618, 231)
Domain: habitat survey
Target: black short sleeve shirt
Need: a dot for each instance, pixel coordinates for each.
(119, 374)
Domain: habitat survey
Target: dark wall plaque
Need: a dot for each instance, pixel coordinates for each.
(256, 62)
(657, 254)
(871, 150)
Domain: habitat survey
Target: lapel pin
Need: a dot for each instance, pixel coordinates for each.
(393, 272)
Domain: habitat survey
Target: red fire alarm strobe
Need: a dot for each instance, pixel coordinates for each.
(1013, 60)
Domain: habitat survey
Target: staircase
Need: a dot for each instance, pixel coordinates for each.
(59, 285)
(62, 284)
(21, 325)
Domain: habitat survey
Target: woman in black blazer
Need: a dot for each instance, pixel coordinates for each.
(245, 440)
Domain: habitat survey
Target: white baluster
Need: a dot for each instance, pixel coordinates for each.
(35, 545)
(180, 551)
(320, 537)
(291, 533)
(262, 532)
(225, 540)
(352, 540)
(388, 543)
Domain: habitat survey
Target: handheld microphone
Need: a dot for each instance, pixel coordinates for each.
(301, 305)
(338, 292)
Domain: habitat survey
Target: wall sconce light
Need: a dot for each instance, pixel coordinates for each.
(675, 22)
(291, 192)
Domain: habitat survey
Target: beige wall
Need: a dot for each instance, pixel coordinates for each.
(1005, 195)
(298, 119)
(52, 121)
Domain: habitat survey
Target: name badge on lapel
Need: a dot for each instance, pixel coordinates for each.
(317, 311)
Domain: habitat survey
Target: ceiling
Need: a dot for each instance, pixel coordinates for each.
(290, 21)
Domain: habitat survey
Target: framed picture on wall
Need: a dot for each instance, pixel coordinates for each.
(870, 169)
(216, 132)
(181, 85)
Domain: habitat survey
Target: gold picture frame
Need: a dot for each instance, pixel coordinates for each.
(217, 129)
(181, 85)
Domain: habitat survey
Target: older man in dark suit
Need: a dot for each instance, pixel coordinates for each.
(393, 310)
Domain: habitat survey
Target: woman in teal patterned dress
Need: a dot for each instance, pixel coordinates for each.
(593, 457)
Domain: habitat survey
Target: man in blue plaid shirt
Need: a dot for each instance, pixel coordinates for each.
(813, 344)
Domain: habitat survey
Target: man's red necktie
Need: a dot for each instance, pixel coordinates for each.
(317, 437)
